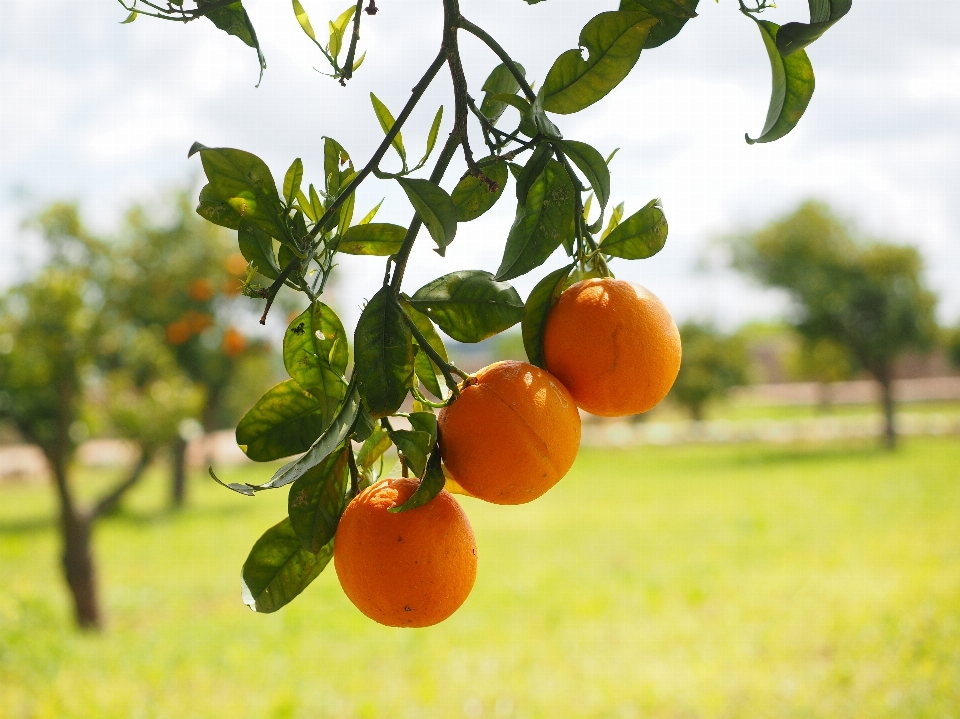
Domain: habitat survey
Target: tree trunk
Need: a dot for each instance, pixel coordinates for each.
(79, 570)
(696, 412)
(178, 488)
(890, 428)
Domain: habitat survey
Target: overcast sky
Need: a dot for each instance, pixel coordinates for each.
(104, 113)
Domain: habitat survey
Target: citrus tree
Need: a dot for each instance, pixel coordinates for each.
(508, 433)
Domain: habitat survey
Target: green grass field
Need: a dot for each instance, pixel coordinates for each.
(682, 583)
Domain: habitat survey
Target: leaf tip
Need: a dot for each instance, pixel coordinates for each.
(195, 148)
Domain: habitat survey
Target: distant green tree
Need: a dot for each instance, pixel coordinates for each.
(952, 344)
(712, 363)
(178, 279)
(867, 296)
(825, 361)
(67, 360)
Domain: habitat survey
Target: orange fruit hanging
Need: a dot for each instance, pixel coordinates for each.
(614, 345)
(510, 435)
(410, 569)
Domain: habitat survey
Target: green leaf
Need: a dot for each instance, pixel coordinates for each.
(425, 422)
(337, 28)
(383, 354)
(542, 223)
(317, 501)
(333, 436)
(431, 485)
(346, 209)
(432, 137)
(292, 180)
(640, 236)
(315, 354)
(373, 449)
(614, 41)
(380, 239)
(615, 218)
(334, 158)
(591, 163)
(233, 20)
(537, 310)
(256, 246)
(304, 20)
(793, 85)
(673, 15)
(533, 170)
(526, 125)
(469, 305)
(317, 205)
(215, 210)
(368, 218)
(500, 81)
(285, 421)
(427, 372)
(414, 446)
(435, 209)
(306, 205)
(244, 182)
(279, 568)
(130, 18)
(387, 122)
(472, 196)
(824, 14)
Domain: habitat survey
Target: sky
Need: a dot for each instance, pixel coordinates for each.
(104, 113)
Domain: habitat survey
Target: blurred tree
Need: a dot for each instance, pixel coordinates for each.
(824, 361)
(712, 364)
(179, 279)
(952, 344)
(868, 297)
(70, 360)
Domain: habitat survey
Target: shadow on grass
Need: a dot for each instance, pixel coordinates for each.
(122, 516)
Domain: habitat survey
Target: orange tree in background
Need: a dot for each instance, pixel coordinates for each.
(181, 280)
(291, 233)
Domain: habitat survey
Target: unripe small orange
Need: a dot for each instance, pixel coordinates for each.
(409, 569)
(511, 434)
(614, 345)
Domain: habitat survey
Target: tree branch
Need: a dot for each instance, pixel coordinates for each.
(109, 500)
(347, 71)
(502, 54)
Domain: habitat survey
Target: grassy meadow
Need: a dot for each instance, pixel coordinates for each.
(669, 582)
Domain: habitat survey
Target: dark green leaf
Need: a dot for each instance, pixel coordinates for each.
(533, 170)
(469, 305)
(292, 180)
(215, 210)
(824, 14)
(793, 85)
(472, 196)
(244, 182)
(432, 137)
(425, 422)
(526, 125)
(233, 20)
(592, 165)
(285, 421)
(279, 568)
(542, 223)
(537, 310)
(364, 425)
(414, 445)
(500, 81)
(381, 239)
(387, 122)
(431, 485)
(639, 236)
(435, 209)
(614, 41)
(325, 444)
(426, 370)
(334, 158)
(318, 499)
(315, 354)
(672, 17)
(256, 246)
(383, 354)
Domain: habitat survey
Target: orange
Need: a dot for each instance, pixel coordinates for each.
(233, 342)
(511, 434)
(614, 345)
(412, 569)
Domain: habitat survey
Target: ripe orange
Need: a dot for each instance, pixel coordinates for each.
(511, 435)
(614, 345)
(412, 569)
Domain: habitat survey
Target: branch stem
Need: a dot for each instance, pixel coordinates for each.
(487, 40)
